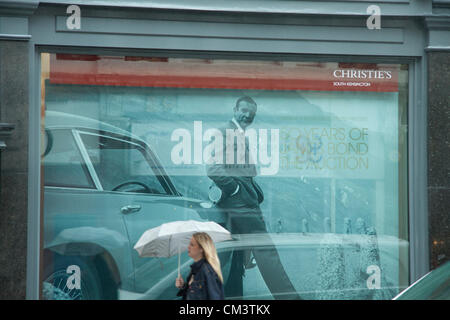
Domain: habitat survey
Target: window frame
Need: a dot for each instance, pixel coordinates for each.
(416, 119)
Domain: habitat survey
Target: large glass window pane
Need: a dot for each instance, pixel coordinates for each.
(305, 163)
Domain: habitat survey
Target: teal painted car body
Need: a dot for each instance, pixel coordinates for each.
(87, 219)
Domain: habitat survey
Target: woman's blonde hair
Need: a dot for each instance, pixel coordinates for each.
(209, 251)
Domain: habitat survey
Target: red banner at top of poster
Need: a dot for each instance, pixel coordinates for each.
(221, 74)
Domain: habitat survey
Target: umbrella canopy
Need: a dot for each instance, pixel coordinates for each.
(172, 238)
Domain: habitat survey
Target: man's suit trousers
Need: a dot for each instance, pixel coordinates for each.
(251, 221)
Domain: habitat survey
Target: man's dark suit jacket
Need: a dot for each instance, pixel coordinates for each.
(228, 176)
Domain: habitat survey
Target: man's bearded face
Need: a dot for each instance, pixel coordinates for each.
(245, 113)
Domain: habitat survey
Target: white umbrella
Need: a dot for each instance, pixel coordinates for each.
(173, 237)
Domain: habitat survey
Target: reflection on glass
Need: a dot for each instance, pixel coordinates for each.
(318, 190)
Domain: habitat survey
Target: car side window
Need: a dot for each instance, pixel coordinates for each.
(121, 165)
(63, 164)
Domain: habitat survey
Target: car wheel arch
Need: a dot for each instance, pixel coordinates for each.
(101, 258)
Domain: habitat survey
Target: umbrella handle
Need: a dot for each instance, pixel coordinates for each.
(179, 274)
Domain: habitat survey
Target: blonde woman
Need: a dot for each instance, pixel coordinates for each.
(205, 281)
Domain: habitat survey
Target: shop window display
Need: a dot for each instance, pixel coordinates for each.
(305, 164)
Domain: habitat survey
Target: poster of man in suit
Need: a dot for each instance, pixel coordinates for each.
(240, 197)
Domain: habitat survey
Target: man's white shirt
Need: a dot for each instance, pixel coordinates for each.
(241, 131)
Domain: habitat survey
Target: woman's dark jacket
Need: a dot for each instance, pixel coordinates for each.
(206, 284)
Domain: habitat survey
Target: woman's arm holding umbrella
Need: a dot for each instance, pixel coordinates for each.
(180, 284)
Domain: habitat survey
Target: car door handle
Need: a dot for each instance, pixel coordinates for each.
(130, 209)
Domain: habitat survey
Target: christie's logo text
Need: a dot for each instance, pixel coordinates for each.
(362, 74)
